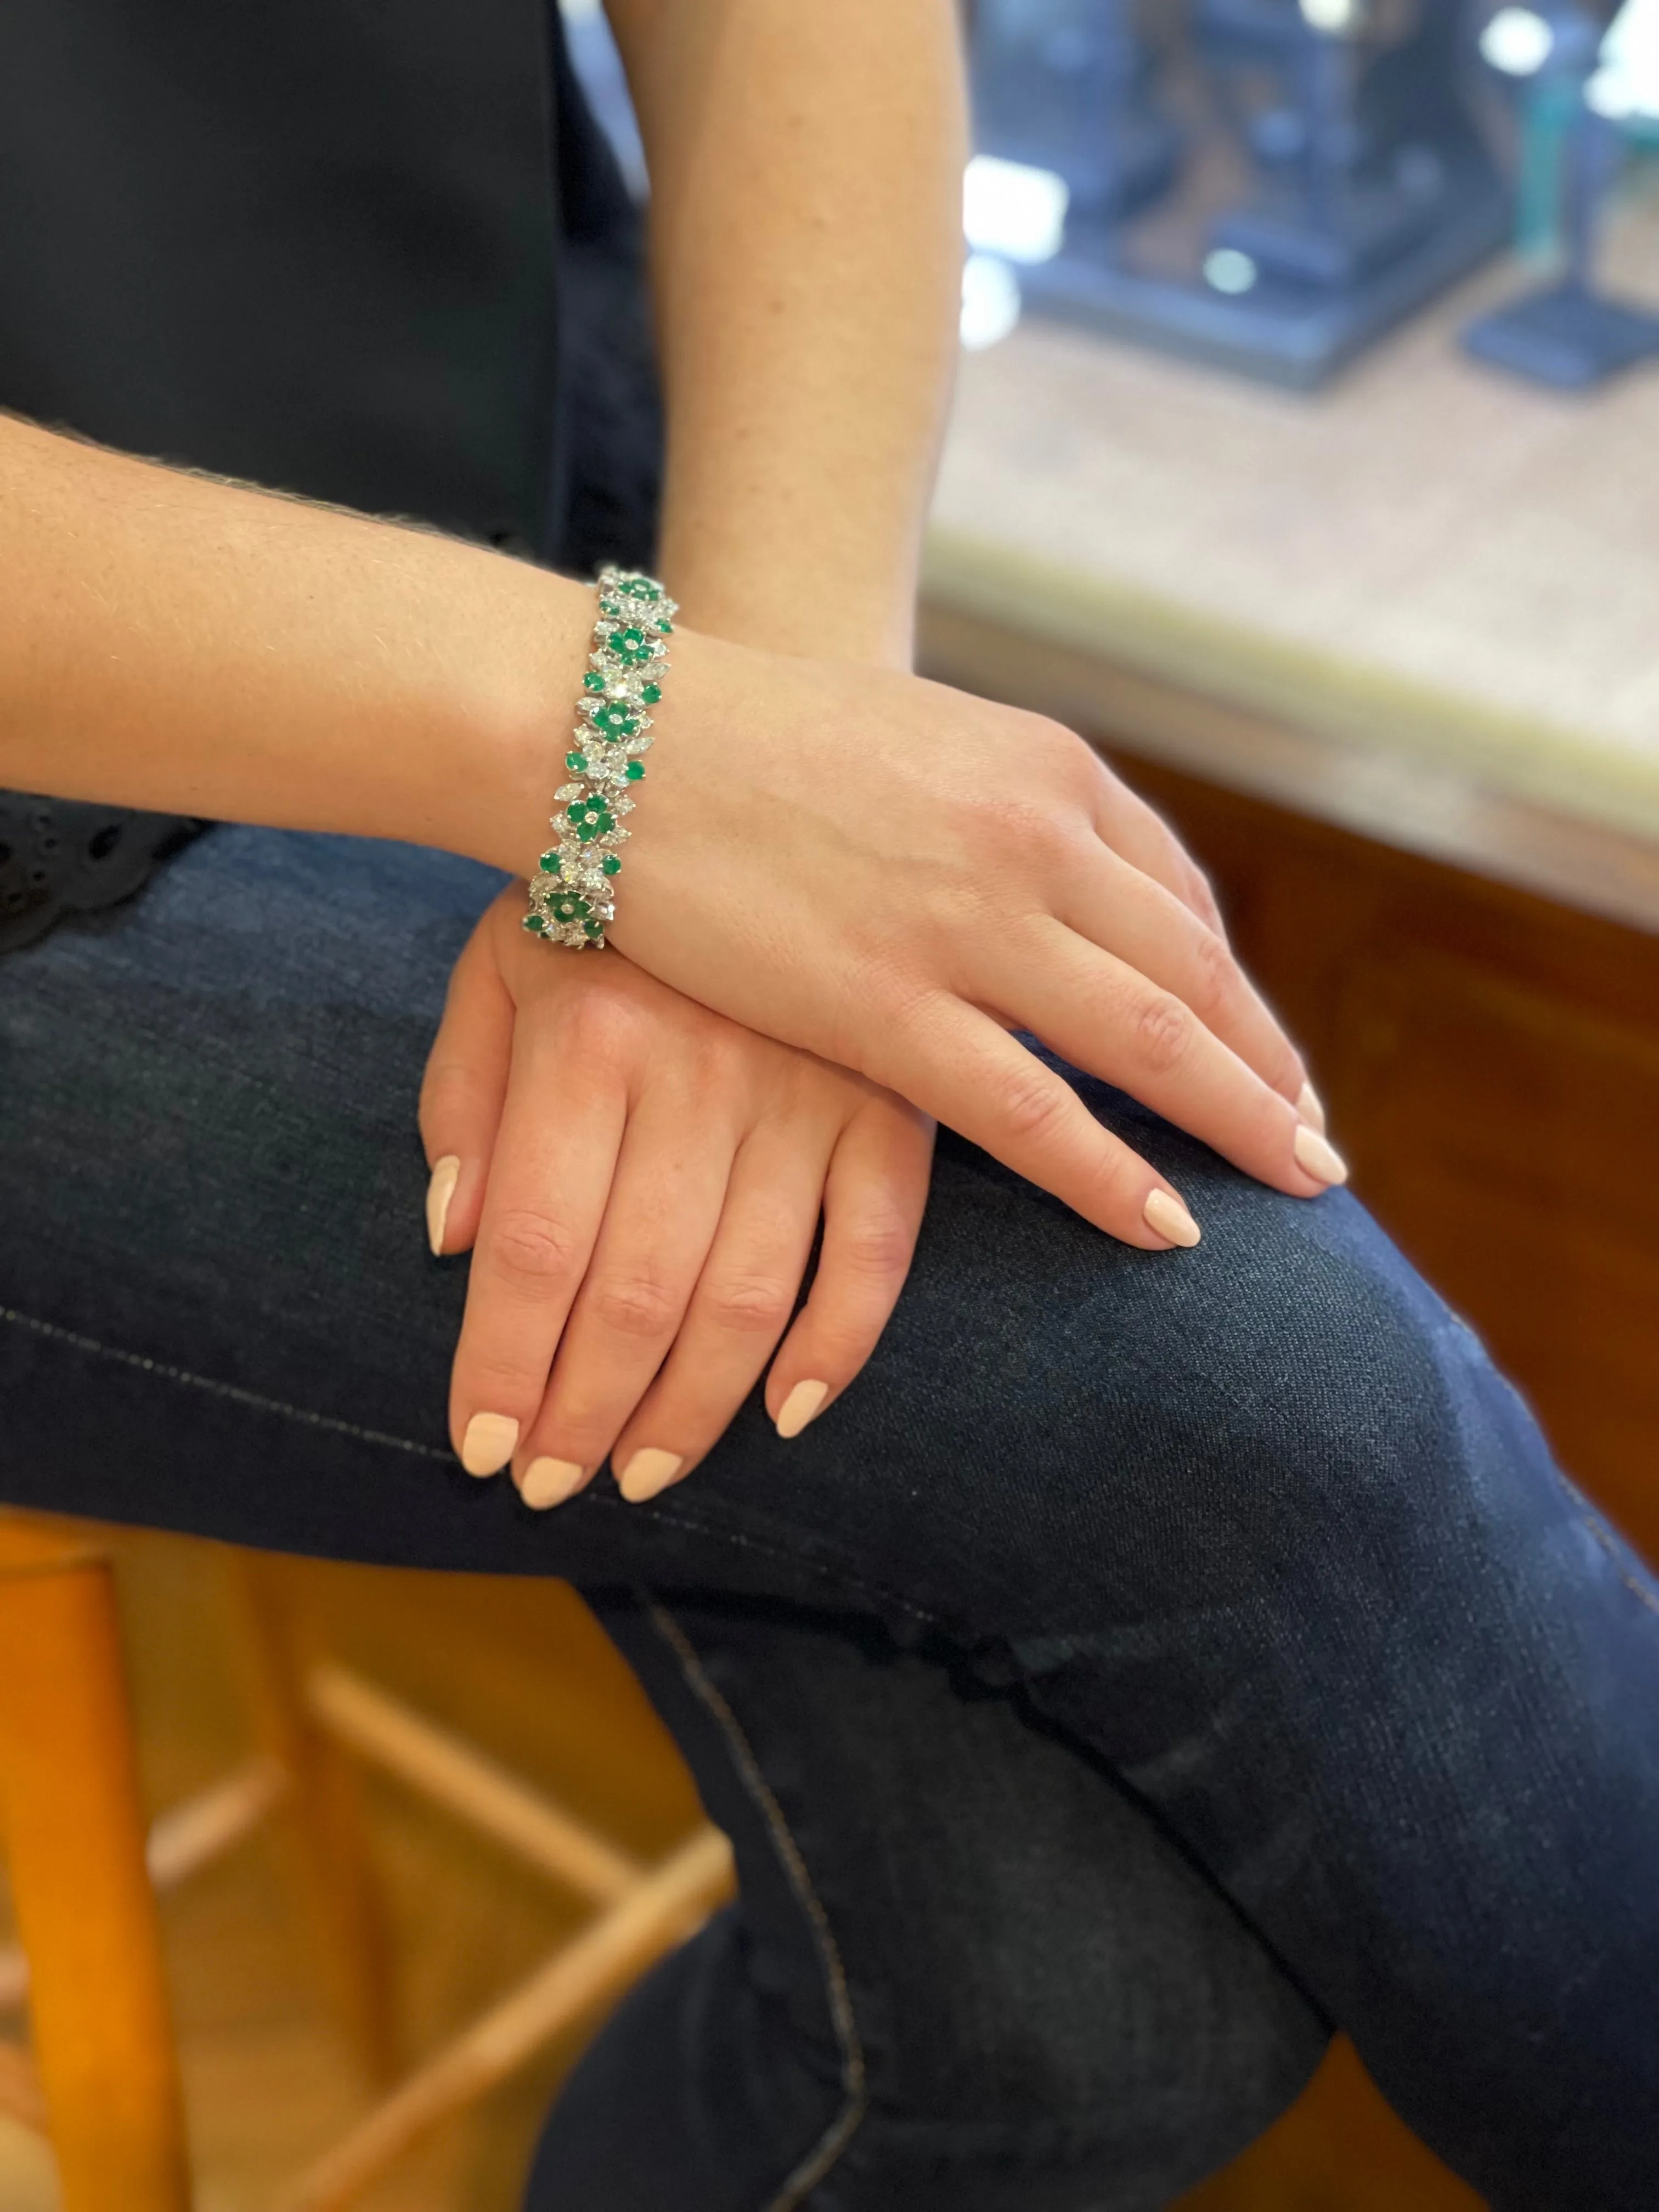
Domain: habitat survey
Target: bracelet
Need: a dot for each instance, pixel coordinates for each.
(571, 892)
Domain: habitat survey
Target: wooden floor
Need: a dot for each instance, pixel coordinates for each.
(522, 1670)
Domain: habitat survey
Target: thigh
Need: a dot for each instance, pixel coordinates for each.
(967, 1970)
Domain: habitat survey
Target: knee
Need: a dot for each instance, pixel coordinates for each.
(1125, 2090)
(1293, 1391)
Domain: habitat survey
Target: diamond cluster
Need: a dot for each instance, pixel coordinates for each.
(571, 894)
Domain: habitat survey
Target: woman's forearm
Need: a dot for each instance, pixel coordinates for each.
(806, 241)
(174, 642)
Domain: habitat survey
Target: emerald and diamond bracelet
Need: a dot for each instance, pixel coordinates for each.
(572, 891)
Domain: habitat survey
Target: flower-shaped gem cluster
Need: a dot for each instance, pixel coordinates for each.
(571, 894)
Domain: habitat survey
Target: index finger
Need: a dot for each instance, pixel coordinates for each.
(550, 1178)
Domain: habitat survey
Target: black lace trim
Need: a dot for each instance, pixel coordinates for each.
(59, 856)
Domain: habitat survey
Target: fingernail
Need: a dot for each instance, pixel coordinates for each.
(439, 1192)
(488, 1444)
(1309, 1106)
(550, 1482)
(649, 1471)
(799, 1407)
(1170, 1219)
(1319, 1159)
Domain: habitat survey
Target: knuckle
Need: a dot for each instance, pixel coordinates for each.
(506, 1385)
(1031, 1104)
(1203, 899)
(449, 1089)
(878, 1246)
(601, 1027)
(636, 1305)
(532, 1247)
(752, 1304)
(1216, 976)
(1163, 1032)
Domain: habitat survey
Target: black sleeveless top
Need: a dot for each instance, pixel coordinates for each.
(324, 245)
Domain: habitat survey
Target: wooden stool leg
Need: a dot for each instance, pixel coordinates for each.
(74, 1845)
(323, 1818)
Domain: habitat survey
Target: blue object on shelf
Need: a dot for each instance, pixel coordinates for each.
(1321, 172)
(1071, 86)
(1566, 336)
(1566, 333)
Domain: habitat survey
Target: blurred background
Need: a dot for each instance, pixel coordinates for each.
(1306, 458)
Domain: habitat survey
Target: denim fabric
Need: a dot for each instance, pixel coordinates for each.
(967, 1970)
(1256, 1527)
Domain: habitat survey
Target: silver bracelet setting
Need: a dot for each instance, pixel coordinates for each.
(572, 893)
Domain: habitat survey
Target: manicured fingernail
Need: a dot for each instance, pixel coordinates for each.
(1170, 1219)
(799, 1407)
(1320, 1159)
(550, 1482)
(488, 1444)
(1309, 1106)
(439, 1192)
(649, 1471)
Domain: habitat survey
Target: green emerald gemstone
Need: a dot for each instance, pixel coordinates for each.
(651, 693)
(665, 630)
(615, 722)
(568, 908)
(611, 865)
(610, 607)
(592, 930)
(593, 681)
(535, 923)
(641, 587)
(575, 762)
(637, 771)
(548, 863)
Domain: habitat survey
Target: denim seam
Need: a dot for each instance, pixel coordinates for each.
(233, 1391)
(1610, 1544)
(843, 1579)
(833, 2141)
(258, 1402)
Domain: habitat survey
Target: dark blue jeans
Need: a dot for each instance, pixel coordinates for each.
(1152, 1659)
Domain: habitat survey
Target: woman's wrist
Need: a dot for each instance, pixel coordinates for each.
(763, 604)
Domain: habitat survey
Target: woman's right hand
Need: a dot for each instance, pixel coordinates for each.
(895, 875)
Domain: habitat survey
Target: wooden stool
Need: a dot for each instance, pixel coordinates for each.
(102, 2078)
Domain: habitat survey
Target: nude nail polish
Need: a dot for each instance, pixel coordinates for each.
(439, 1192)
(488, 1444)
(799, 1407)
(549, 1481)
(647, 1471)
(1310, 1106)
(1320, 1160)
(1170, 1217)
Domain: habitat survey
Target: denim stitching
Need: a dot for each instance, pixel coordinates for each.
(233, 1391)
(1611, 1545)
(738, 1540)
(835, 2137)
(841, 1577)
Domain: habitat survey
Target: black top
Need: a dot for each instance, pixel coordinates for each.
(322, 245)
(311, 242)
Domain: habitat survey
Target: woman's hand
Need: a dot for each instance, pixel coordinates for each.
(894, 875)
(641, 1181)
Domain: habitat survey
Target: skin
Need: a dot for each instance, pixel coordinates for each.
(919, 872)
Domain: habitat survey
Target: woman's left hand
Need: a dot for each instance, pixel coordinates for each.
(641, 1181)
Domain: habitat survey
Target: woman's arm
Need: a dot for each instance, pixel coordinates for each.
(806, 249)
(170, 640)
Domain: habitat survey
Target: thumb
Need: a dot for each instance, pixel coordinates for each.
(462, 1091)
